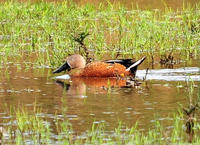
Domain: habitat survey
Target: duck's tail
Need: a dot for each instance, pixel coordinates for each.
(128, 63)
(133, 67)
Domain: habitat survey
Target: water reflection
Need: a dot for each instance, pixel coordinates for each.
(77, 86)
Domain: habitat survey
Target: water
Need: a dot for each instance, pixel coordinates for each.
(97, 100)
(133, 4)
(145, 4)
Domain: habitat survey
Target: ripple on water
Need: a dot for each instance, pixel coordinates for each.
(108, 113)
(98, 122)
(180, 74)
(2, 90)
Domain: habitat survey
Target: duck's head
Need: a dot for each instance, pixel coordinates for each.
(72, 62)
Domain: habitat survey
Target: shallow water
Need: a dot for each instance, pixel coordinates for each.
(134, 4)
(95, 100)
(145, 4)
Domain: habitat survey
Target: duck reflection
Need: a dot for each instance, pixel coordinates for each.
(78, 86)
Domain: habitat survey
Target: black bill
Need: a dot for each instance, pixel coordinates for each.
(64, 67)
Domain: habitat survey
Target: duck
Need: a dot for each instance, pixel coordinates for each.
(76, 66)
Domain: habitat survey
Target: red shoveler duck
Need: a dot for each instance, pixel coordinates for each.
(77, 67)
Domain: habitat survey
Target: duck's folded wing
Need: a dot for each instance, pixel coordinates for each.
(128, 63)
(125, 62)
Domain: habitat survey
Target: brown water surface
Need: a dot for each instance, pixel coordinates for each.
(133, 4)
(145, 4)
(93, 100)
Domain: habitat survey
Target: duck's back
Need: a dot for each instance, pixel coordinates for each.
(102, 69)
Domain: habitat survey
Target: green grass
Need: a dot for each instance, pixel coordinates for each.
(47, 29)
(32, 128)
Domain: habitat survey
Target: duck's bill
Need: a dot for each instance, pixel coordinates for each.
(64, 67)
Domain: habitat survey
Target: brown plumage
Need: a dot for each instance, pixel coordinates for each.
(102, 69)
(112, 68)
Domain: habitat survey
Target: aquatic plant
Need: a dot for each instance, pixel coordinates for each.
(33, 128)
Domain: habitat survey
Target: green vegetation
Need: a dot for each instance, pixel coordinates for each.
(34, 129)
(47, 31)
